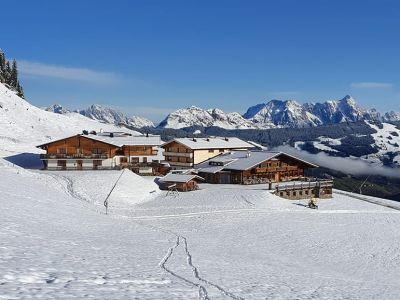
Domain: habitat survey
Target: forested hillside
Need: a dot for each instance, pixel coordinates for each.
(9, 74)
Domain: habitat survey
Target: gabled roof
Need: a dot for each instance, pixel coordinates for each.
(212, 143)
(242, 161)
(127, 140)
(170, 177)
(118, 140)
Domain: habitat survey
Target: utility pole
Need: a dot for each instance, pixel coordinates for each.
(362, 184)
(109, 194)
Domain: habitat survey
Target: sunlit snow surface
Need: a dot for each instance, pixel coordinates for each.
(222, 242)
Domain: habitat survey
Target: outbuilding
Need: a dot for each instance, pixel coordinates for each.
(182, 182)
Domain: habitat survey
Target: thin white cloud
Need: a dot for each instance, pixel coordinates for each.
(371, 85)
(35, 69)
(354, 166)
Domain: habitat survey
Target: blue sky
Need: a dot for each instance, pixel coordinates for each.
(150, 57)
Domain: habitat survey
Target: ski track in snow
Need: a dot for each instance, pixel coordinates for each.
(203, 293)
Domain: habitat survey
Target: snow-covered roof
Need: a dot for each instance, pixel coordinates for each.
(212, 143)
(170, 177)
(241, 161)
(127, 140)
(119, 140)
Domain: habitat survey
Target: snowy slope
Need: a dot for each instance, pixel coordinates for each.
(23, 126)
(221, 242)
(387, 140)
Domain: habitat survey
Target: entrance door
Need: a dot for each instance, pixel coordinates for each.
(79, 164)
(225, 178)
(277, 177)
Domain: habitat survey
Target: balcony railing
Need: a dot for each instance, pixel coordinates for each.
(74, 156)
(176, 154)
(178, 163)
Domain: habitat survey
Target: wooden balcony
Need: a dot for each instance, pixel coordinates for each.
(178, 154)
(180, 164)
(277, 169)
(73, 156)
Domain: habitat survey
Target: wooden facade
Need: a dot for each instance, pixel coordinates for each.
(178, 155)
(191, 185)
(80, 152)
(305, 190)
(181, 156)
(277, 169)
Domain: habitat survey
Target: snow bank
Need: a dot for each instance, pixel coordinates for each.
(94, 187)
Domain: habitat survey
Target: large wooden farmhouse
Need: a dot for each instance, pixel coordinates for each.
(102, 151)
(250, 167)
(187, 152)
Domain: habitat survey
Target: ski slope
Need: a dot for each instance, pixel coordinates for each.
(221, 242)
(24, 126)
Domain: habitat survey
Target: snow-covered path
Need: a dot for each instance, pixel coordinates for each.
(222, 242)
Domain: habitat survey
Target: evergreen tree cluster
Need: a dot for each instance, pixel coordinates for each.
(9, 74)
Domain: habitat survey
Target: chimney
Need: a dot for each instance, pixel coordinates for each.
(194, 140)
(226, 139)
(111, 134)
(85, 132)
(207, 139)
(147, 134)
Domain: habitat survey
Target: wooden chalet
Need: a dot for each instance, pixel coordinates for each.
(182, 182)
(107, 150)
(183, 153)
(252, 167)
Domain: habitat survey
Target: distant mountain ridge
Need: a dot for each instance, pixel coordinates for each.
(194, 116)
(278, 113)
(105, 115)
(272, 114)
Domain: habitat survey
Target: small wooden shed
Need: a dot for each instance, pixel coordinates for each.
(182, 182)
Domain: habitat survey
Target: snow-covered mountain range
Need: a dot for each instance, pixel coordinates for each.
(194, 116)
(272, 114)
(105, 115)
(278, 113)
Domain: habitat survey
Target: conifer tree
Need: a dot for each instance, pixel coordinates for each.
(9, 74)
(14, 74)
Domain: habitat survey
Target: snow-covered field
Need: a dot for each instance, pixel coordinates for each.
(221, 242)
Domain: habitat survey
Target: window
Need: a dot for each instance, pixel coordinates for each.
(61, 163)
(97, 151)
(211, 150)
(62, 150)
(97, 163)
(145, 159)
